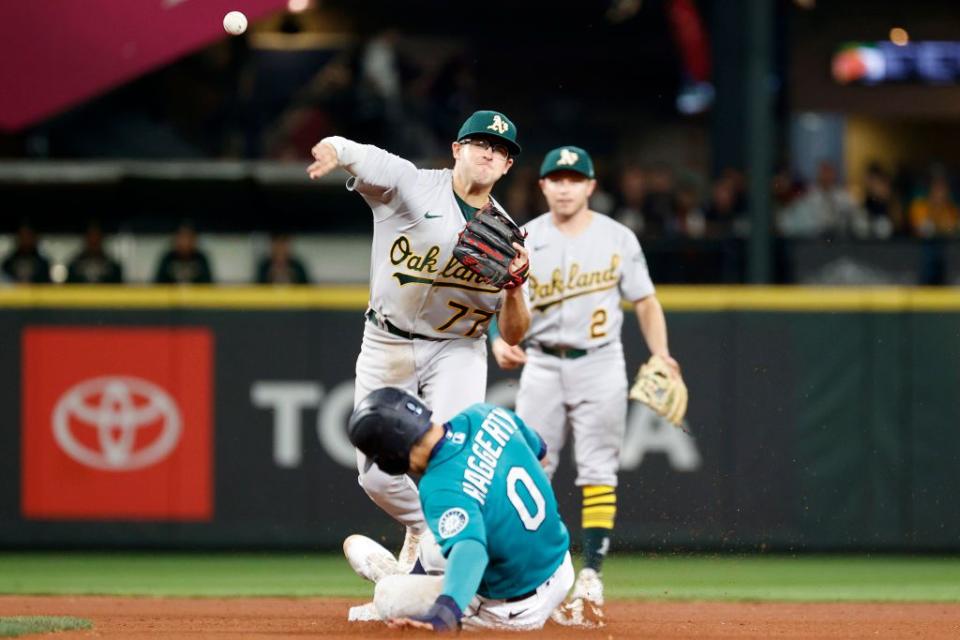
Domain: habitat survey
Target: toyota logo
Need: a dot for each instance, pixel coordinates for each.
(116, 423)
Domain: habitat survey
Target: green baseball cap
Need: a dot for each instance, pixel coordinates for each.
(493, 124)
(567, 159)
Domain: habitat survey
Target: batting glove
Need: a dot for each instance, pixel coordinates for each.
(444, 615)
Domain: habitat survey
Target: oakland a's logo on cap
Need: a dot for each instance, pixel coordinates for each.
(567, 158)
(498, 124)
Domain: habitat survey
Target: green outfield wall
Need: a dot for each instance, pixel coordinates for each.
(820, 419)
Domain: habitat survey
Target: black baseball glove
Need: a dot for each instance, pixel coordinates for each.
(485, 246)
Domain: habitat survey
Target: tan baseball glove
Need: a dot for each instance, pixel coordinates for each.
(661, 387)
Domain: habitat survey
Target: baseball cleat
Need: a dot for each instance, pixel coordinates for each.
(584, 608)
(588, 586)
(579, 612)
(369, 559)
(408, 554)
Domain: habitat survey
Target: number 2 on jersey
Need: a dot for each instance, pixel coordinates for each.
(531, 521)
(597, 322)
(462, 310)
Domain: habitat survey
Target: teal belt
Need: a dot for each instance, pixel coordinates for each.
(393, 329)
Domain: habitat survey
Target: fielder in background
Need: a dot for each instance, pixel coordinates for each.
(503, 548)
(574, 374)
(428, 313)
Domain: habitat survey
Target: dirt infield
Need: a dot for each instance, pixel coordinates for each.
(326, 618)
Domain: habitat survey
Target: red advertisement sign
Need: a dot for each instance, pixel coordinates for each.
(117, 424)
(57, 53)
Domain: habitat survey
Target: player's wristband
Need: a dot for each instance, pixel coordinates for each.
(444, 615)
(493, 330)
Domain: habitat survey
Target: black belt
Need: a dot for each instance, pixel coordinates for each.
(393, 329)
(523, 596)
(565, 353)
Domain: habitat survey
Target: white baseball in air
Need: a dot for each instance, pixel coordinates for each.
(235, 23)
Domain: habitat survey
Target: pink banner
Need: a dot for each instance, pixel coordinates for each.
(56, 53)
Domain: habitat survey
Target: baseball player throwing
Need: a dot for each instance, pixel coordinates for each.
(427, 316)
(502, 545)
(574, 374)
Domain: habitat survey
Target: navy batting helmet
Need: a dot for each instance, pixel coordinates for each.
(385, 426)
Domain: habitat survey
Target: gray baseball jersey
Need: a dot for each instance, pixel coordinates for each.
(415, 282)
(418, 287)
(576, 287)
(576, 284)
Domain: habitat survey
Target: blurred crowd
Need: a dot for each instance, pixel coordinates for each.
(659, 201)
(656, 200)
(184, 263)
(233, 100)
(408, 95)
(407, 100)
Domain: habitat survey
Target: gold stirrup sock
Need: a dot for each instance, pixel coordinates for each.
(599, 512)
(599, 506)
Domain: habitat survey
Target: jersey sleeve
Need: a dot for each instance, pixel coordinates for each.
(466, 565)
(635, 282)
(377, 174)
(453, 517)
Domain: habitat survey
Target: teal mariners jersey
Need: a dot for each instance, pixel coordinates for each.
(485, 483)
